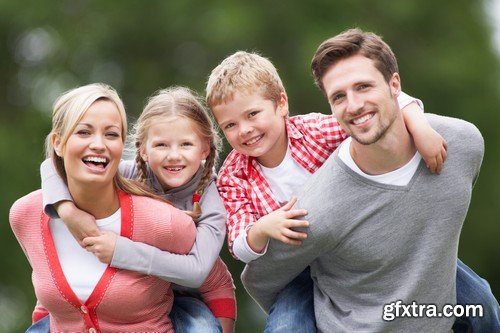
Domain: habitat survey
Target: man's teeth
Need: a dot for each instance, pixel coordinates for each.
(361, 120)
(95, 159)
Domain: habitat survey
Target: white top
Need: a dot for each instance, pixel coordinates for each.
(81, 268)
(284, 180)
(401, 176)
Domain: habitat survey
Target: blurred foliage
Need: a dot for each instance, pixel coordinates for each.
(444, 48)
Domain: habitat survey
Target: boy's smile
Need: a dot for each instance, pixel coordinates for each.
(255, 126)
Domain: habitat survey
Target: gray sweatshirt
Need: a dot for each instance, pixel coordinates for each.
(188, 270)
(371, 244)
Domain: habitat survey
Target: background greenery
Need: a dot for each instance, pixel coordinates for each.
(444, 49)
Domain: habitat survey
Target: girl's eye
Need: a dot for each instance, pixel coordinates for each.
(160, 144)
(228, 126)
(187, 144)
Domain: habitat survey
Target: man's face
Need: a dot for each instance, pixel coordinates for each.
(362, 101)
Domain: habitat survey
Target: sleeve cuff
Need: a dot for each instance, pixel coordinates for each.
(225, 308)
(405, 100)
(243, 251)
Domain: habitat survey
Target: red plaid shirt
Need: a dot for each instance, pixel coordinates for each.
(247, 195)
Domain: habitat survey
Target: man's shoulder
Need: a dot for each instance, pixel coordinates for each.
(450, 125)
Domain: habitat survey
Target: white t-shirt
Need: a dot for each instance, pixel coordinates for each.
(81, 268)
(284, 180)
(401, 176)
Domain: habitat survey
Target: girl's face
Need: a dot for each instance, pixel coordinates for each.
(94, 148)
(174, 150)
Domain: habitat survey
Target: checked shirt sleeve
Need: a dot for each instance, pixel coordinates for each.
(233, 189)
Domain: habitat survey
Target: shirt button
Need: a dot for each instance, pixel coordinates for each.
(92, 330)
(83, 308)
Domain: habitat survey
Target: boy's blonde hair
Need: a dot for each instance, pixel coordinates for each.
(179, 102)
(68, 110)
(243, 72)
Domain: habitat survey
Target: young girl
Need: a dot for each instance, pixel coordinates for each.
(172, 138)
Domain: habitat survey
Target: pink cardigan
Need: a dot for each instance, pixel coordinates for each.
(122, 301)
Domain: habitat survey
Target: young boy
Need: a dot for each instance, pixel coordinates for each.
(273, 156)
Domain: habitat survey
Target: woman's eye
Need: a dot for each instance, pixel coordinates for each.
(83, 132)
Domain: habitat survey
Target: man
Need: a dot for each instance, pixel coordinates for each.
(384, 231)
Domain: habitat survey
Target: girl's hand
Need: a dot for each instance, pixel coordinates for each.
(102, 246)
(81, 224)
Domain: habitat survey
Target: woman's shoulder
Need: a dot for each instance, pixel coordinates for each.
(29, 202)
(154, 209)
(26, 209)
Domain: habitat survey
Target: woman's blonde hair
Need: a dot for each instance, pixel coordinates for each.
(68, 110)
(179, 102)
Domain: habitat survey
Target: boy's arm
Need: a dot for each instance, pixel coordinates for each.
(217, 291)
(241, 213)
(265, 277)
(248, 237)
(430, 144)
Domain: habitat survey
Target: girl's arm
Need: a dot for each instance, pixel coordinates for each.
(186, 270)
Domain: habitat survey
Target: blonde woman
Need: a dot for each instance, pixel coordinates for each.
(80, 293)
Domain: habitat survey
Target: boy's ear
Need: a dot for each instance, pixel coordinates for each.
(283, 104)
(56, 143)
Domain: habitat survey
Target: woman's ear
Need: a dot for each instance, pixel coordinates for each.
(56, 143)
(143, 154)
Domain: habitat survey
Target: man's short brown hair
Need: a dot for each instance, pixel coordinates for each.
(352, 42)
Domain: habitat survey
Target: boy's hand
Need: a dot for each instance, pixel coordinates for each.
(103, 246)
(278, 225)
(433, 148)
(81, 224)
(430, 144)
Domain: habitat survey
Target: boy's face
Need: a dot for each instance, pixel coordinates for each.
(360, 98)
(255, 126)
